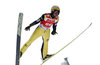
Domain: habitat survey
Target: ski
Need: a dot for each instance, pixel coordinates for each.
(20, 18)
(67, 44)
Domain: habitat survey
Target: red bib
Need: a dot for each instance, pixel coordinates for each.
(48, 21)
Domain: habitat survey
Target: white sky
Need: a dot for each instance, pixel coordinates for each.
(75, 16)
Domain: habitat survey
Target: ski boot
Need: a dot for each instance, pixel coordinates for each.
(48, 56)
(20, 54)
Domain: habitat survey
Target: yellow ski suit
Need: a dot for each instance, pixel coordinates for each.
(42, 30)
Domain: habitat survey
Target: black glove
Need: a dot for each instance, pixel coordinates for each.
(53, 32)
(27, 28)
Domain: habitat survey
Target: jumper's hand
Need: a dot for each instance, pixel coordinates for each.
(27, 28)
(54, 32)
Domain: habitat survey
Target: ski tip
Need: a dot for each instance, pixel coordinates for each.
(20, 14)
(91, 23)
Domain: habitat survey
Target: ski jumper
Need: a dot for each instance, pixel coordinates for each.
(46, 21)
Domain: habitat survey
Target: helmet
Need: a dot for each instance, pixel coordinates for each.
(55, 7)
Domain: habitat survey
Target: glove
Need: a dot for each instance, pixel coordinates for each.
(27, 28)
(53, 32)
